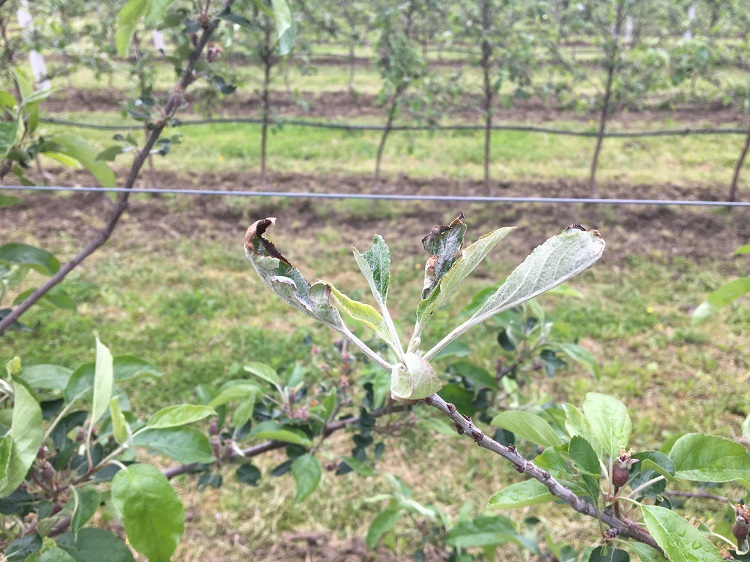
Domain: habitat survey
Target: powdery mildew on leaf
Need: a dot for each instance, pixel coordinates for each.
(444, 245)
(558, 259)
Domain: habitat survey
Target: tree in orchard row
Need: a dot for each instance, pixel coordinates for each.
(259, 31)
(191, 60)
(739, 16)
(359, 23)
(631, 69)
(399, 61)
(713, 51)
(507, 53)
(608, 19)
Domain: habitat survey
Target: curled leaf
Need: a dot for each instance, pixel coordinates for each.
(285, 280)
(467, 261)
(444, 245)
(254, 239)
(314, 300)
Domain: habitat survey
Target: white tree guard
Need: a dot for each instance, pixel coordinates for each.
(36, 60)
(629, 30)
(691, 16)
(158, 39)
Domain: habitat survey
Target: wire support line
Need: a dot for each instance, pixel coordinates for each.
(368, 127)
(385, 196)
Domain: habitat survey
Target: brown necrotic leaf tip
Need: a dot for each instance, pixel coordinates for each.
(439, 229)
(578, 226)
(254, 241)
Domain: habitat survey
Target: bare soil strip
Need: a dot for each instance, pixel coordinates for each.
(342, 106)
(630, 230)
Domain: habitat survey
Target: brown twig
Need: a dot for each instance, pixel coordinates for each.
(521, 464)
(173, 104)
(272, 445)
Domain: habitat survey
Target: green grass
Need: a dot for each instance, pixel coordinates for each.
(684, 160)
(193, 307)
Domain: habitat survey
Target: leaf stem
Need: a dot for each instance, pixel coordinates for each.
(722, 537)
(629, 499)
(364, 348)
(59, 417)
(397, 346)
(644, 486)
(455, 334)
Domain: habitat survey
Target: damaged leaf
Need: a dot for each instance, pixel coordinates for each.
(559, 258)
(444, 245)
(375, 265)
(469, 259)
(287, 281)
(414, 380)
(314, 300)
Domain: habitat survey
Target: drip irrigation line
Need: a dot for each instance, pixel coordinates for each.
(386, 196)
(345, 127)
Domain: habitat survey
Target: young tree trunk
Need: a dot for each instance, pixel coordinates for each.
(593, 188)
(487, 87)
(351, 68)
(142, 91)
(101, 237)
(738, 167)
(287, 83)
(384, 136)
(613, 62)
(264, 101)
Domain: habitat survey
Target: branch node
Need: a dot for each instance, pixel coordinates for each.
(546, 475)
(459, 429)
(611, 533)
(451, 407)
(477, 435)
(428, 401)
(521, 468)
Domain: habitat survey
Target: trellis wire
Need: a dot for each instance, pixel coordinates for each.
(354, 127)
(386, 196)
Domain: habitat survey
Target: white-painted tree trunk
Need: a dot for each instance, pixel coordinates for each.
(691, 16)
(628, 31)
(36, 60)
(158, 39)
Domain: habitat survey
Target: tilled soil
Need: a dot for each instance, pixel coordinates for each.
(656, 232)
(343, 105)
